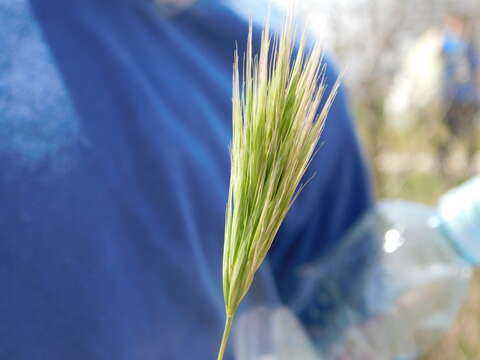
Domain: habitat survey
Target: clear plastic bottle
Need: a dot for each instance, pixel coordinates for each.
(412, 266)
(415, 287)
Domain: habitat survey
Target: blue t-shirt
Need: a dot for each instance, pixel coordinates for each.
(114, 169)
(461, 69)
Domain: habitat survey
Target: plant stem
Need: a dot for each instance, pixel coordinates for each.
(226, 335)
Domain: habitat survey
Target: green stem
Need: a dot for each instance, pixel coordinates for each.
(226, 335)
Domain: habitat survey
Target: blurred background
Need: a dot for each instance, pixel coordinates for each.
(412, 68)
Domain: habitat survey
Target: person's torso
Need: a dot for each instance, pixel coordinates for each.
(114, 170)
(460, 70)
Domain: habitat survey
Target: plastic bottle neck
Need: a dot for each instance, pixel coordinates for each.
(459, 219)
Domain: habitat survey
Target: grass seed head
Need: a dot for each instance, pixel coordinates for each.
(276, 126)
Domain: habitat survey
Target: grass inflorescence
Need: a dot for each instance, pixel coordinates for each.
(276, 126)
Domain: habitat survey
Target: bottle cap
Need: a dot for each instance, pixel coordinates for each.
(459, 210)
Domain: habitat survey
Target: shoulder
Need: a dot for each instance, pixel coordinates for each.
(36, 113)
